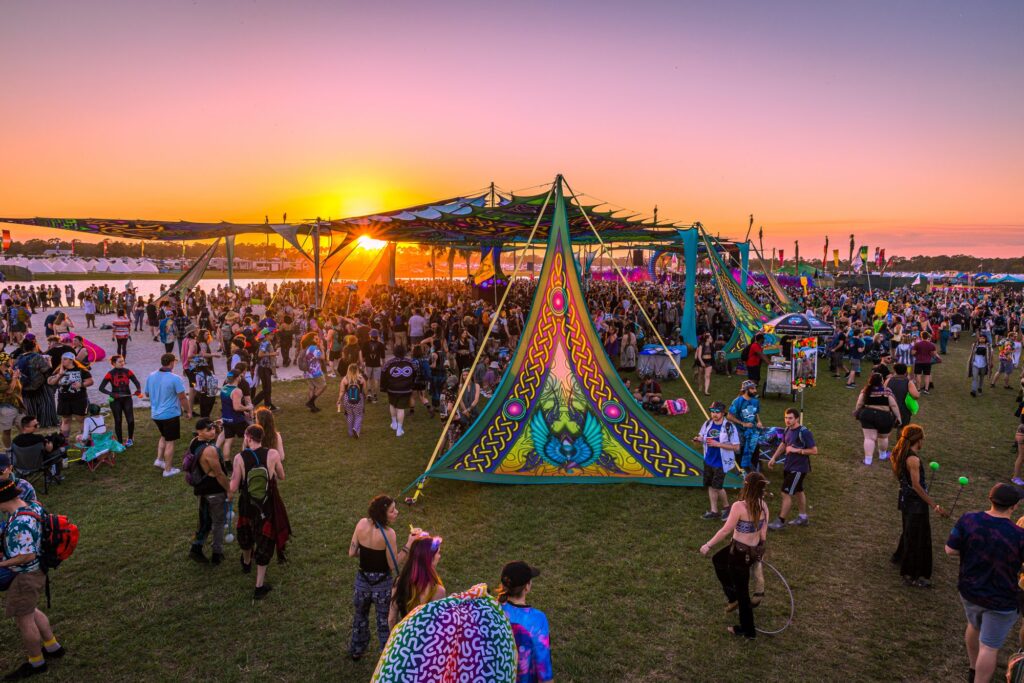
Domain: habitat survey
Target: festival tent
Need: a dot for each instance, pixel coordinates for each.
(561, 413)
(37, 266)
(100, 265)
(69, 266)
(145, 266)
(119, 267)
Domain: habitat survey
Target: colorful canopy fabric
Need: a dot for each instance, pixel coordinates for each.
(455, 220)
(463, 637)
(561, 413)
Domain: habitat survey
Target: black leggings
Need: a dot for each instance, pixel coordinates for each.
(123, 406)
(266, 376)
(733, 570)
(122, 347)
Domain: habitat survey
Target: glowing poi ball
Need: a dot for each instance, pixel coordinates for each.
(964, 481)
(934, 465)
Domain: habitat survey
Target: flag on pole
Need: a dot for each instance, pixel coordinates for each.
(6, 240)
(878, 257)
(105, 248)
(851, 252)
(881, 259)
(782, 257)
(835, 258)
(824, 254)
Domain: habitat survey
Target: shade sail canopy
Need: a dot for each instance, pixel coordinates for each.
(481, 219)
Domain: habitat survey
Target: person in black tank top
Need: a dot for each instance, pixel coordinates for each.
(212, 491)
(914, 551)
(377, 567)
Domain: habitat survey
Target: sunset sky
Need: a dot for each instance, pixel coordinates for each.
(900, 122)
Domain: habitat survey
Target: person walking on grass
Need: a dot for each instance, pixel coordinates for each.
(745, 413)
(22, 545)
(375, 543)
(396, 379)
(352, 395)
(311, 359)
(878, 413)
(747, 524)
(117, 384)
(979, 363)
(529, 625)
(923, 351)
(168, 399)
(990, 548)
(721, 441)
(233, 412)
(797, 446)
(914, 551)
(262, 523)
(210, 485)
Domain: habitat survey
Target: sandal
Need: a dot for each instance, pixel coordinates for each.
(732, 607)
(756, 599)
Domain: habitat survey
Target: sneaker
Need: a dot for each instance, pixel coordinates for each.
(1018, 481)
(129, 443)
(56, 654)
(800, 521)
(216, 558)
(725, 514)
(275, 409)
(246, 568)
(399, 432)
(851, 386)
(777, 524)
(159, 463)
(884, 455)
(710, 515)
(974, 394)
(261, 591)
(926, 392)
(171, 472)
(394, 425)
(197, 555)
(26, 670)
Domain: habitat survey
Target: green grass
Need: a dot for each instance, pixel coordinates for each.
(628, 595)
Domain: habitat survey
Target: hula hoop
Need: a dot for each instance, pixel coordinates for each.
(792, 603)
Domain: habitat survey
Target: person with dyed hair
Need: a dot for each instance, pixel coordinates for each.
(418, 583)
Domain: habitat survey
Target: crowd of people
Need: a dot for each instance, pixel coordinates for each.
(417, 344)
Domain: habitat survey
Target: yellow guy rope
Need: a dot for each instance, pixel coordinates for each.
(483, 344)
(639, 305)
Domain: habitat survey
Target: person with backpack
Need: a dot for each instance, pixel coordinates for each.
(375, 543)
(204, 470)
(310, 361)
(207, 385)
(796, 446)
(373, 351)
(233, 411)
(352, 396)
(721, 441)
(22, 555)
(262, 523)
(117, 384)
(37, 394)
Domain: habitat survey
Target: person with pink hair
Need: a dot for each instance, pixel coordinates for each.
(418, 583)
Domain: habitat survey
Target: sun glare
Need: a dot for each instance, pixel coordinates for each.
(370, 244)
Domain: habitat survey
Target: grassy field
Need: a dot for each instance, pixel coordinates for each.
(628, 595)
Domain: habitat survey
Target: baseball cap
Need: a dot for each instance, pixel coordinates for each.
(1004, 495)
(9, 491)
(518, 573)
(67, 355)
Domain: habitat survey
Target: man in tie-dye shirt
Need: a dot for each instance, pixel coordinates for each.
(529, 625)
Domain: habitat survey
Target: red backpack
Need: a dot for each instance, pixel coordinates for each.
(59, 538)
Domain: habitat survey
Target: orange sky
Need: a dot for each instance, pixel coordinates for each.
(899, 124)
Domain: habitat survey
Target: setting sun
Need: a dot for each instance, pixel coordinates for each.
(370, 244)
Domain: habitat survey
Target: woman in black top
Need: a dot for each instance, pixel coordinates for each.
(117, 385)
(914, 552)
(375, 543)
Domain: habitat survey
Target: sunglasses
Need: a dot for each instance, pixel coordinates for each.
(716, 410)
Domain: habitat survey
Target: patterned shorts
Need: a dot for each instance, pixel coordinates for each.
(248, 539)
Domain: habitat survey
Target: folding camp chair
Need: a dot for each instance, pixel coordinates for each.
(32, 461)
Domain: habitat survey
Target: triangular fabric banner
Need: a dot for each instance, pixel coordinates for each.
(290, 233)
(229, 244)
(561, 413)
(191, 277)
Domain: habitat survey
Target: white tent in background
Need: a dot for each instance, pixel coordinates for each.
(100, 265)
(118, 267)
(70, 266)
(146, 266)
(39, 266)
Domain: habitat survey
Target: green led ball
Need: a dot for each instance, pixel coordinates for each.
(934, 465)
(963, 481)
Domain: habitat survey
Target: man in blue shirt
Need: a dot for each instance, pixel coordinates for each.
(167, 400)
(991, 550)
(721, 441)
(745, 413)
